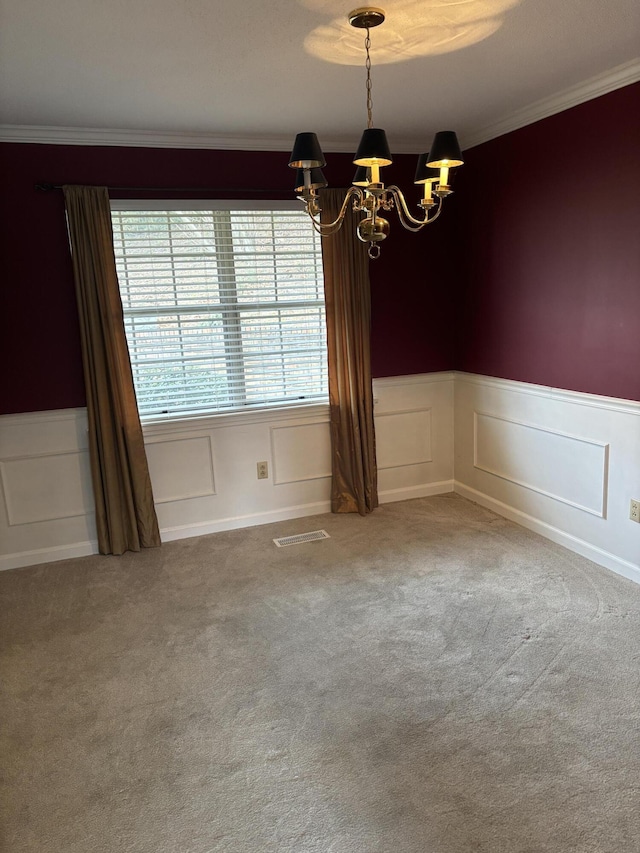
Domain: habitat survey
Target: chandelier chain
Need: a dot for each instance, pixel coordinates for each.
(367, 44)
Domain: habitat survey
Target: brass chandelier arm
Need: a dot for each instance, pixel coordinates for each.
(325, 229)
(408, 221)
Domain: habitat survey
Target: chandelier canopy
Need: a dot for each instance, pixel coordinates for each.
(368, 193)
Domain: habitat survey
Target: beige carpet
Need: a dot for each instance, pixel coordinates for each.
(432, 679)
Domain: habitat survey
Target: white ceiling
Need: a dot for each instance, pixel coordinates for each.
(263, 71)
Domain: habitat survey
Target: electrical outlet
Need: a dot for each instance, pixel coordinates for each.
(634, 511)
(263, 470)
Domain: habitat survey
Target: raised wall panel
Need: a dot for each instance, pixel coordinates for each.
(403, 438)
(562, 463)
(181, 467)
(559, 465)
(46, 486)
(300, 452)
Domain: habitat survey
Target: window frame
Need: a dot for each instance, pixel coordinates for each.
(251, 414)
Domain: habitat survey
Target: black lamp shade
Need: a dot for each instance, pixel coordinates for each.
(373, 149)
(362, 177)
(423, 172)
(318, 180)
(445, 150)
(307, 153)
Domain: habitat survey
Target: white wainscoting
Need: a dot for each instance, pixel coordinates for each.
(564, 464)
(45, 488)
(203, 470)
(561, 463)
(414, 435)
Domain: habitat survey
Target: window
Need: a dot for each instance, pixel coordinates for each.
(223, 305)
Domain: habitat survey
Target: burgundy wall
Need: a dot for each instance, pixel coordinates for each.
(412, 294)
(532, 274)
(550, 236)
(39, 338)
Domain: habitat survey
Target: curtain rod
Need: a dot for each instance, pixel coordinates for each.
(49, 187)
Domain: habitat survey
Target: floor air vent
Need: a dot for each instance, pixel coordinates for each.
(299, 538)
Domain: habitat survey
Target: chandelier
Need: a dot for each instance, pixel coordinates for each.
(368, 193)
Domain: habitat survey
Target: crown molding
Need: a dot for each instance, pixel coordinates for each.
(615, 78)
(594, 87)
(52, 135)
(55, 135)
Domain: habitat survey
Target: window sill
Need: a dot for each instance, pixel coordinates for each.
(315, 411)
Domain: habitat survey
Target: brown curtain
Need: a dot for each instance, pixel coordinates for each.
(354, 485)
(125, 513)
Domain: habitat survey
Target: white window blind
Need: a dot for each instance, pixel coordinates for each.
(223, 309)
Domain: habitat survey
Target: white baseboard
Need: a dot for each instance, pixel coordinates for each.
(318, 508)
(47, 555)
(573, 543)
(185, 531)
(203, 528)
(424, 490)
(168, 534)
